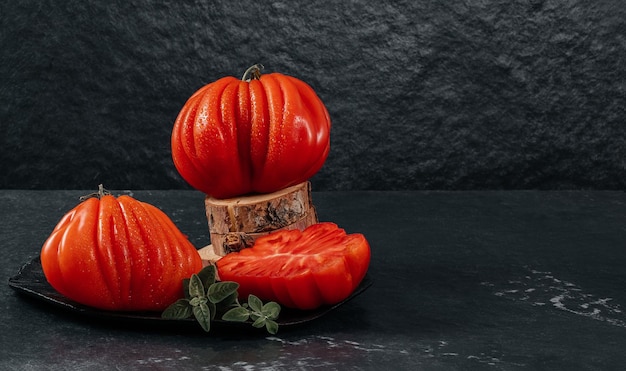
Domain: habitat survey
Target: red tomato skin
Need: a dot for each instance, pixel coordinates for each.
(321, 265)
(118, 254)
(235, 137)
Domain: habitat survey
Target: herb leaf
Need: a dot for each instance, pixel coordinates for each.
(230, 300)
(195, 301)
(186, 288)
(222, 290)
(203, 316)
(204, 297)
(212, 309)
(196, 288)
(271, 326)
(179, 310)
(260, 322)
(236, 314)
(255, 303)
(271, 310)
(207, 275)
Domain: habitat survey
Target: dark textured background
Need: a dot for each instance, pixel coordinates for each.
(423, 95)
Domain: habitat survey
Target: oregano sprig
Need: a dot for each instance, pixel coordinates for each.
(204, 297)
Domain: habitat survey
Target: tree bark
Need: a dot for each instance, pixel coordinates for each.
(236, 223)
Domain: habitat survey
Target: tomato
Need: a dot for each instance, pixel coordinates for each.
(118, 254)
(259, 135)
(321, 265)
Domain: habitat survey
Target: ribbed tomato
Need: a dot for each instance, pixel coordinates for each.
(321, 265)
(118, 254)
(258, 135)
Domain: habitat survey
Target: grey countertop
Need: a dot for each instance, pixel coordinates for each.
(496, 280)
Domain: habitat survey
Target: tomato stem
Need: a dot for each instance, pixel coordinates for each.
(101, 193)
(253, 72)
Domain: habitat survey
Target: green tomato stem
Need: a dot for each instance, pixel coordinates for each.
(101, 193)
(253, 72)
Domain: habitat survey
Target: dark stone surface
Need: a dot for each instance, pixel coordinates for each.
(423, 95)
(524, 280)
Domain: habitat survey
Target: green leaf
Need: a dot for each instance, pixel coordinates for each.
(255, 315)
(255, 303)
(186, 288)
(194, 302)
(237, 314)
(212, 309)
(203, 316)
(230, 300)
(271, 310)
(260, 322)
(207, 276)
(271, 326)
(196, 289)
(178, 310)
(205, 297)
(221, 290)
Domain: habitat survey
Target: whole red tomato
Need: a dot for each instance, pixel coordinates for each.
(258, 135)
(118, 254)
(321, 265)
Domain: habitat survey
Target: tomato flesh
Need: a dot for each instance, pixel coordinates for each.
(321, 265)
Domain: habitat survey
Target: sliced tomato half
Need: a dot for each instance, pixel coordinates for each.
(321, 265)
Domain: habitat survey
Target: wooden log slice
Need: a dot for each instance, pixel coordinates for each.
(236, 222)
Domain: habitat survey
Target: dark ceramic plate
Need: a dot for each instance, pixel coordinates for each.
(31, 281)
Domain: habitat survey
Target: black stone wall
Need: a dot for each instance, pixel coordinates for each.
(494, 94)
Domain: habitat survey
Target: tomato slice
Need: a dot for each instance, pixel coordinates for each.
(321, 265)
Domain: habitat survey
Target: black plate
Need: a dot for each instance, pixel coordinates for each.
(31, 281)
